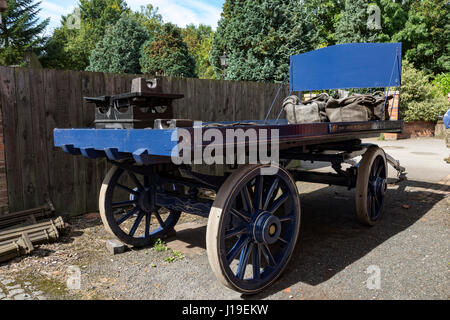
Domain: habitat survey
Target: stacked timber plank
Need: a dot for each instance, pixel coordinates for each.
(20, 231)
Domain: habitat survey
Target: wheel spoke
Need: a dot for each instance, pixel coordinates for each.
(256, 262)
(136, 224)
(127, 189)
(286, 218)
(247, 200)
(243, 240)
(160, 220)
(277, 204)
(123, 203)
(243, 259)
(235, 232)
(239, 214)
(148, 216)
(258, 193)
(135, 180)
(380, 168)
(126, 216)
(282, 240)
(268, 255)
(271, 193)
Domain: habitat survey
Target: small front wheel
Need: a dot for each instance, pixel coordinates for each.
(129, 211)
(371, 186)
(253, 227)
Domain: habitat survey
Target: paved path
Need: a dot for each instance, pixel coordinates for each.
(11, 290)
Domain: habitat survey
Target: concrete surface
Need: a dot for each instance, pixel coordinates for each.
(423, 158)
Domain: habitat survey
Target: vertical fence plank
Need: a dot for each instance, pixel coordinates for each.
(79, 163)
(40, 143)
(10, 131)
(88, 90)
(25, 139)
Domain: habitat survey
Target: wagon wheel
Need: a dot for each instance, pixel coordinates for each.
(371, 186)
(252, 228)
(128, 209)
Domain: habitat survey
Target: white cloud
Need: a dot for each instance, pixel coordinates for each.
(183, 12)
(54, 12)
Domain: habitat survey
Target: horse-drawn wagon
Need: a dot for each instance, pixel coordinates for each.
(251, 201)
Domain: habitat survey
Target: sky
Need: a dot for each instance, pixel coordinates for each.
(180, 12)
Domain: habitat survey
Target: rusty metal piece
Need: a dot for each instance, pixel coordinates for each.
(143, 85)
(57, 223)
(38, 233)
(16, 242)
(25, 217)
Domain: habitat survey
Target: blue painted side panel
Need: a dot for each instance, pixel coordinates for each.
(93, 143)
(352, 65)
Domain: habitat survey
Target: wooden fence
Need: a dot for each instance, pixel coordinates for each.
(35, 101)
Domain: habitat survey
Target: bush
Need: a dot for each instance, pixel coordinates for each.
(442, 83)
(420, 100)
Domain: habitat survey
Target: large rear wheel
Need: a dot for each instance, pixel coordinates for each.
(252, 228)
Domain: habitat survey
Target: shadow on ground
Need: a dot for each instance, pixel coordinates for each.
(331, 238)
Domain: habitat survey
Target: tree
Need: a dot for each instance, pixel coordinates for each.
(326, 15)
(353, 24)
(21, 31)
(420, 100)
(426, 35)
(150, 19)
(167, 54)
(259, 36)
(120, 48)
(70, 48)
(199, 42)
(393, 18)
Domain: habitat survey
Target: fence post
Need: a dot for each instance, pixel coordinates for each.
(3, 181)
(393, 110)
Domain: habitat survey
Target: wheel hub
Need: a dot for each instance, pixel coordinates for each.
(379, 186)
(145, 199)
(266, 228)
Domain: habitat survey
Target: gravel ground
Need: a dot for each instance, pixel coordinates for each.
(410, 248)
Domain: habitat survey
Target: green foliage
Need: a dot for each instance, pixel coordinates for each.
(176, 255)
(426, 35)
(393, 18)
(442, 83)
(150, 19)
(199, 42)
(259, 36)
(352, 25)
(119, 50)
(419, 100)
(20, 31)
(327, 14)
(167, 54)
(71, 48)
(160, 246)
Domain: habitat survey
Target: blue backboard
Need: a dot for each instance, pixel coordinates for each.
(352, 65)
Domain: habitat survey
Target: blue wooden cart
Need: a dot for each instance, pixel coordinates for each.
(254, 218)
